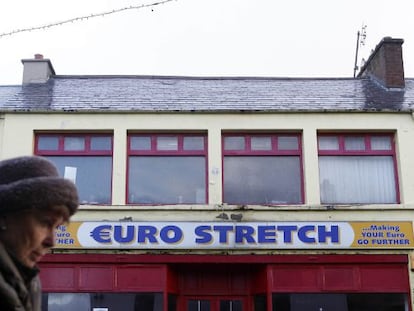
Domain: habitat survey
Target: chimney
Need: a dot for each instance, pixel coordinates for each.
(385, 64)
(37, 70)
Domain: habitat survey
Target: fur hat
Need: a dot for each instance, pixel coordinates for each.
(33, 182)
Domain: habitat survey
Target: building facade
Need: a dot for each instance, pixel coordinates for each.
(221, 193)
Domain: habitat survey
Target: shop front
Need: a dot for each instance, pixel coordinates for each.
(98, 272)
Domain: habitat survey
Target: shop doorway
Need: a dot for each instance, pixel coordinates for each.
(215, 303)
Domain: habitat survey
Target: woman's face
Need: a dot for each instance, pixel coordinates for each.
(29, 235)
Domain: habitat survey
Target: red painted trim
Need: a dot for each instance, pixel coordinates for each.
(180, 145)
(61, 152)
(367, 140)
(247, 151)
(229, 259)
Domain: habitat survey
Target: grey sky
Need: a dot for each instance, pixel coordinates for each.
(295, 38)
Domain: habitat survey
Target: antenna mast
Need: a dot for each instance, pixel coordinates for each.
(360, 35)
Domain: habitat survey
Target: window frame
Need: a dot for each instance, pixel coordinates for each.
(167, 153)
(60, 151)
(61, 140)
(368, 151)
(275, 151)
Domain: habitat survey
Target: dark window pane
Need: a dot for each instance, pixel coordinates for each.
(48, 143)
(262, 180)
(198, 305)
(339, 302)
(113, 302)
(172, 302)
(231, 305)
(148, 302)
(101, 143)
(377, 301)
(166, 180)
(300, 302)
(260, 303)
(281, 302)
(44, 302)
(93, 176)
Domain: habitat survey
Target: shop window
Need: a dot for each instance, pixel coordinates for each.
(66, 301)
(102, 301)
(339, 302)
(357, 169)
(86, 159)
(167, 169)
(262, 169)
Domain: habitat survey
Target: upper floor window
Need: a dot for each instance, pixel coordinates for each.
(357, 168)
(84, 158)
(262, 169)
(167, 169)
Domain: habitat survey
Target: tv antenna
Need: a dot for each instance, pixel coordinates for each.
(361, 36)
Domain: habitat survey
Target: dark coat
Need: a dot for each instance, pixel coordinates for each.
(15, 295)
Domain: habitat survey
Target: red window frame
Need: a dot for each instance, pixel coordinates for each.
(247, 151)
(180, 151)
(61, 140)
(368, 151)
(274, 151)
(86, 152)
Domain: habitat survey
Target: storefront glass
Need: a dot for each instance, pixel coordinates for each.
(339, 302)
(102, 302)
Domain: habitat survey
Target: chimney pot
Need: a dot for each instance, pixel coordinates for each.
(38, 56)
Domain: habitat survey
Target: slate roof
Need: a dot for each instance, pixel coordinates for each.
(205, 94)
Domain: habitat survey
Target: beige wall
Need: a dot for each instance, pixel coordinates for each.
(19, 128)
(18, 139)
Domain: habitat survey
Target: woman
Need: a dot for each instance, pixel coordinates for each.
(34, 200)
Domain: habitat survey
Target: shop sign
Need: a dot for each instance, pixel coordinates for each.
(229, 235)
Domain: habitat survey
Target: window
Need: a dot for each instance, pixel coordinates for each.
(85, 159)
(357, 169)
(167, 169)
(262, 169)
(339, 301)
(102, 301)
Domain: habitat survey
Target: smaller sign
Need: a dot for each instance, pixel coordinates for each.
(70, 173)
